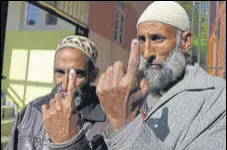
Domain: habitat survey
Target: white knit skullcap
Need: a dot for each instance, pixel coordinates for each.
(82, 43)
(168, 12)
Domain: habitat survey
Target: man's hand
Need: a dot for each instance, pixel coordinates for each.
(116, 90)
(58, 118)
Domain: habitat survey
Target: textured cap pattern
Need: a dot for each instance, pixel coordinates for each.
(82, 43)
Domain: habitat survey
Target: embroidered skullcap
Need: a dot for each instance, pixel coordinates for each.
(82, 43)
(168, 12)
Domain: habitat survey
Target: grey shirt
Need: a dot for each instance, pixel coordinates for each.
(190, 115)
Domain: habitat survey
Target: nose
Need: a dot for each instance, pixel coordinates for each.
(149, 50)
(65, 82)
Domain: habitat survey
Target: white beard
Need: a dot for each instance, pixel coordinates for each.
(170, 72)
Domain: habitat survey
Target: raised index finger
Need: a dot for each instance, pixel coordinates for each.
(71, 85)
(134, 60)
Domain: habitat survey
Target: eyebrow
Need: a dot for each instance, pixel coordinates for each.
(151, 36)
(59, 71)
(78, 71)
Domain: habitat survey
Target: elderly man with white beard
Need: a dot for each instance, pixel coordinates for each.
(161, 102)
(182, 106)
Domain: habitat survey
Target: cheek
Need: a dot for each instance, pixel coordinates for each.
(80, 82)
(164, 50)
(142, 47)
(58, 80)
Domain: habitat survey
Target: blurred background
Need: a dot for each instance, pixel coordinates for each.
(30, 31)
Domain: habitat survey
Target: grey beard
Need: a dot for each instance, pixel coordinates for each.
(171, 70)
(78, 96)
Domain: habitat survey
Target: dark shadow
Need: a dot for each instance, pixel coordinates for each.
(160, 125)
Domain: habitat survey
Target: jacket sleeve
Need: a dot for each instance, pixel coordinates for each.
(212, 139)
(78, 142)
(211, 125)
(13, 139)
(134, 136)
(207, 131)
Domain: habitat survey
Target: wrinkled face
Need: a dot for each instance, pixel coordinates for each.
(66, 59)
(162, 59)
(156, 39)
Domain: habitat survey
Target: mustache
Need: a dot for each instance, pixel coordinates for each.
(154, 62)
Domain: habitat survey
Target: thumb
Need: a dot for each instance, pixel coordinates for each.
(144, 87)
(137, 97)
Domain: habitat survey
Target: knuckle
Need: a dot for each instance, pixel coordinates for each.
(59, 108)
(110, 68)
(118, 63)
(52, 101)
(57, 95)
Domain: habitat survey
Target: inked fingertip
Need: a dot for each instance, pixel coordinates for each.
(71, 72)
(135, 41)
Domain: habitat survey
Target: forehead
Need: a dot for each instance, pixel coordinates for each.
(153, 27)
(70, 58)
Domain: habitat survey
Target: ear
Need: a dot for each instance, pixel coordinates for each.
(186, 40)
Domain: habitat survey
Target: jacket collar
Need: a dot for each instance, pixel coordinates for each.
(194, 79)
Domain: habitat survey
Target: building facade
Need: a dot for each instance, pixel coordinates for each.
(32, 35)
(217, 39)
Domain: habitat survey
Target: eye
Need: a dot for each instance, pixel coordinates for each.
(141, 39)
(80, 73)
(157, 38)
(59, 72)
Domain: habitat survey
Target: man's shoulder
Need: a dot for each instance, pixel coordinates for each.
(197, 78)
(38, 102)
(218, 82)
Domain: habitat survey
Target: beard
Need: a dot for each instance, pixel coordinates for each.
(171, 70)
(78, 96)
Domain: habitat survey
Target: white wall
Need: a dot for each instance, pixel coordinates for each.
(14, 15)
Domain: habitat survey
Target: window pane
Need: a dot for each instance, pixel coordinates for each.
(122, 19)
(122, 28)
(41, 65)
(117, 15)
(51, 19)
(32, 19)
(122, 4)
(121, 40)
(32, 8)
(18, 64)
(115, 35)
(32, 15)
(116, 25)
(34, 92)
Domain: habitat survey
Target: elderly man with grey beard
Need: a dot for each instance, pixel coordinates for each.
(162, 102)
